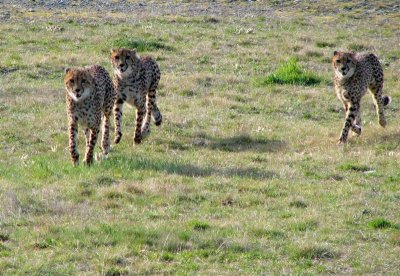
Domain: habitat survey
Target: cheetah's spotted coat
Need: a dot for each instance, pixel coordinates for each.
(89, 97)
(135, 81)
(354, 75)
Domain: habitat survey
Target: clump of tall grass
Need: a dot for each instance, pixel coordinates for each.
(381, 223)
(290, 72)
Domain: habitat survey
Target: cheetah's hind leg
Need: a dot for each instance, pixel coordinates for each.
(157, 115)
(149, 107)
(151, 111)
(90, 148)
(380, 101)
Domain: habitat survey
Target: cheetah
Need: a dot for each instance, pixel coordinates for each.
(135, 81)
(90, 95)
(354, 74)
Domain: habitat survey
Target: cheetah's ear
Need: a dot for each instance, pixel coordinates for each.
(335, 53)
(133, 51)
(113, 50)
(66, 70)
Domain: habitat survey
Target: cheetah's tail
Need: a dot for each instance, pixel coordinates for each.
(386, 100)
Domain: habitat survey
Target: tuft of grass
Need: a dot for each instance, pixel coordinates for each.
(354, 167)
(395, 238)
(313, 54)
(358, 47)
(324, 44)
(290, 72)
(167, 257)
(115, 272)
(199, 225)
(205, 59)
(313, 253)
(104, 181)
(4, 237)
(140, 44)
(305, 226)
(267, 233)
(298, 204)
(381, 223)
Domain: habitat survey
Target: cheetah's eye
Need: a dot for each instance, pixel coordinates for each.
(71, 82)
(83, 81)
(116, 57)
(337, 61)
(128, 57)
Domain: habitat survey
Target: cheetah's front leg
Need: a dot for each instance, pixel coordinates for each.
(356, 127)
(140, 112)
(87, 136)
(118, 118)
(105, 141)
(351, 115)
(90, 148)
(73, 132)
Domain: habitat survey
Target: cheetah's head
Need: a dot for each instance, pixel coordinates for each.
(344, 64)
(124, 61)
(78, 83)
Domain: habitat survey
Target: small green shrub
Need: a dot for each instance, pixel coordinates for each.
(291, 73)
(381, 223)
(167, 257)
(199, 225)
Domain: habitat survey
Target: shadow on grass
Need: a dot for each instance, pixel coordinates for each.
(244, 143)
(128, 164)
(383, 142)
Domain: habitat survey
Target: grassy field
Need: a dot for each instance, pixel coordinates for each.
(243, 177)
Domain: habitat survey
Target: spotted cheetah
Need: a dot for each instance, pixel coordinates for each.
(135, 81)
(90, 95)
(354, 74)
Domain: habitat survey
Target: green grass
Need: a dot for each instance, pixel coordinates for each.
(291, 73)
(358, 47)
(140, 44)
(354, 167)
(242, 177)
(324, 44)
(313, 252)
(381, 223)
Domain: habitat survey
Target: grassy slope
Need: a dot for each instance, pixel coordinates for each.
(241, 178)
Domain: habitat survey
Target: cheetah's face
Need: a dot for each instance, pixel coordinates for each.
(124, 61)
(343, 64)
(78, 83)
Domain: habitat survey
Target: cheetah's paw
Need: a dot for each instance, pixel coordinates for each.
(382, 122)
(100, 156)
(356, 129)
